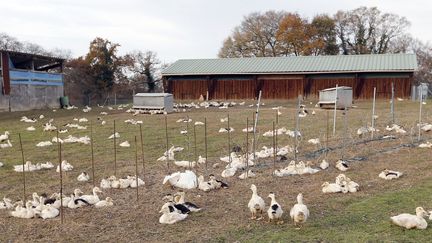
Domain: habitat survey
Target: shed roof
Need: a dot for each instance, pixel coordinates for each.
(295, 65)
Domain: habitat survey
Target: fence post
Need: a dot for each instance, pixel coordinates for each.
(392, 104)
(373, 113)
(334, 115)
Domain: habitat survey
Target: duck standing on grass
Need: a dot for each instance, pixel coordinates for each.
(299, 212)
(256, 204)
(275, 210)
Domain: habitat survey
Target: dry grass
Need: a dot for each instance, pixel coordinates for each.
(225, 216)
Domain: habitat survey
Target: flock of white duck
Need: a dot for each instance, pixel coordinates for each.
(48, 207)
(175, 208)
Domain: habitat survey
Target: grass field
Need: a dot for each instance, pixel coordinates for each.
(356, 217)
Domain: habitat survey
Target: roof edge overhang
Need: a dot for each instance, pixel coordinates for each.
(291, 73)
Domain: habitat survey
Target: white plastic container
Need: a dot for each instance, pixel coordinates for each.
(327, 97)
(153, 101)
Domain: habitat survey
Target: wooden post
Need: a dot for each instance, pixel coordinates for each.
(195, 151)
(136, 166)
(187, 135)
(205, 143)
(296, 129)
(335, 107)
(23, 166)
(276, 137)
(327, 132)
(274, 147)
(392, 103)
(61, 178)
(253, 140)
(142, 152)
(92, 153)
(229, 140)
(115, 98)
(115, 150)
(373, 113)
(167, 145)
(277, 116)
(420, 115)
(255, 124)
(345, 132)
(247, 147)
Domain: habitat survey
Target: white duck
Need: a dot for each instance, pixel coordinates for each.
(94, 198)
(342, 165)
(204, 185)
(390, 174)
(4, 137)
(299, 212)
(410, 221)
(116, 135)
(49, 212)
(185, 163)
(31, 128)
(324, 164)
(275, 210)
(331, 187)
(183, 180)
(108, 202)
(179, 198)
(256, 203)
(133, 180)
(314, 141)
(8, 144)
(105, 183)
(66, 166)
(44, 144)
(26, 213)
(83, 177)
(247, 174)
(169, 216)
(6, 203)
(125, 144)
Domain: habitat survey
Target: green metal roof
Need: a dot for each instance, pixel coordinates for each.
(295, 64)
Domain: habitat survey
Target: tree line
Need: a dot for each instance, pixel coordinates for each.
(280, 33)
(102, 70)
(359, 31)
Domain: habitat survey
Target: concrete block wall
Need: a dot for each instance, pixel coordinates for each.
(29, 97)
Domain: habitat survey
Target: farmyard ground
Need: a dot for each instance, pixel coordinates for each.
(359, 217)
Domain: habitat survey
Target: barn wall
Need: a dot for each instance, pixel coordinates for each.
(281, 88)
(364, 87)
(288, 86)
(233, 89)
(188, 89)
(312, 86)
(28, 97)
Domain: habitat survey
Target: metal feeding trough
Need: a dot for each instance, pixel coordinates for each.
(341, 95)
(153, 101)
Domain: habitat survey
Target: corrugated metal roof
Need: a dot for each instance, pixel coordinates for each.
(295, 64)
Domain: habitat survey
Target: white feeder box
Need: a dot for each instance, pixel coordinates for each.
(327, 97)
(153, 101)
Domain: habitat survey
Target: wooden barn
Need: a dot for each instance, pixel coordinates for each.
(288, 77)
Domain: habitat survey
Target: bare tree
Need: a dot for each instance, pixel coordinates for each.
(367, 30)
(144, 67)
(256, 36)
(423, 52)
(10, 43)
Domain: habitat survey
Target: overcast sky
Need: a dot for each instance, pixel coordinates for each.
(175, 29)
